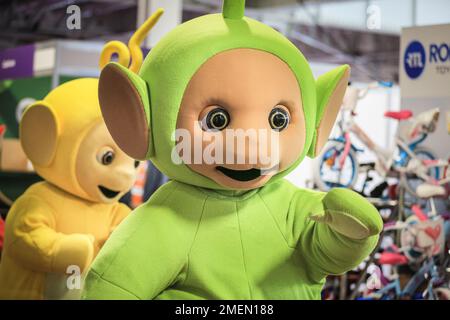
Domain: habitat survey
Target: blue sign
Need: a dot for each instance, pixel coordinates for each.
(414, 59)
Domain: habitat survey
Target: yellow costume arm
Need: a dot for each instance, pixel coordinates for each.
(38, 246)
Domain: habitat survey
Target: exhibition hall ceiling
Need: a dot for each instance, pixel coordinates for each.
(325, 30)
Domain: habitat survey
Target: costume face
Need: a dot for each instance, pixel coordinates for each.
(75, 151)
(104, 171)
(230, 72)
(252, 91)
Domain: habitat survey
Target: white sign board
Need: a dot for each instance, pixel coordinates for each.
(425, 61)
(425, 78)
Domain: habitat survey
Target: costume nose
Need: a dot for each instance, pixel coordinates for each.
(125, 172)
(259, 148)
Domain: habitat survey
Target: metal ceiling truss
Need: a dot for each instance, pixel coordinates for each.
(372, 55)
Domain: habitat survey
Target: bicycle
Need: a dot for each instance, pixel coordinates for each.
(422, 243)
(338, 164)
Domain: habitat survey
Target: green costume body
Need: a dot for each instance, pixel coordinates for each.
(196, 239)
(194, 243)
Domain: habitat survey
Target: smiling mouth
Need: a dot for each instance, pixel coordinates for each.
(108, 192)
(244, 175)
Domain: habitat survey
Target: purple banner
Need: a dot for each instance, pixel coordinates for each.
(17, 62)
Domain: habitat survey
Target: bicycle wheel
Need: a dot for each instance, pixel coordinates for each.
(328, 172)
(411, 181)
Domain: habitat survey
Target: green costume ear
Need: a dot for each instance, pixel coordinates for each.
(330, 89)
(124, 101)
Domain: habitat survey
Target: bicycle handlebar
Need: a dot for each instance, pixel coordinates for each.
(361, 93)
(386, 84)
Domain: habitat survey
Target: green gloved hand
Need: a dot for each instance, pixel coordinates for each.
(349, 214)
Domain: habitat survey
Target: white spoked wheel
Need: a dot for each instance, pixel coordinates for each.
(411, 181)
(328, 171)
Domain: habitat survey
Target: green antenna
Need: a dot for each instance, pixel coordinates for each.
(233, 9)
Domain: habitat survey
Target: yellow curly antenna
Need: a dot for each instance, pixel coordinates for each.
(133, 52)
(111, 48)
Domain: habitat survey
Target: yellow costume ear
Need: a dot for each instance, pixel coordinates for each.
(125, 105)
(330, 89)
(39, 131)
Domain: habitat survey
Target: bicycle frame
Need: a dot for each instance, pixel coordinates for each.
(349, 125)
(394, 285)
(389, 162)
(406, 151)
(418, 278)
(413, 284)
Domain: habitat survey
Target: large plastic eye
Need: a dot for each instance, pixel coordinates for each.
(106, 156)
(216, 120)
(279, 118)
(136, 163)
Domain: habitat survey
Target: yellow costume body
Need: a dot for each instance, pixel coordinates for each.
(58, 226)
(47, 231)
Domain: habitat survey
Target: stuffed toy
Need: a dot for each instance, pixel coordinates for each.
(227, 230)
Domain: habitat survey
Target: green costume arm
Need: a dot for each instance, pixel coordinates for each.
(340, 229)
(146, 254)
(332, 232)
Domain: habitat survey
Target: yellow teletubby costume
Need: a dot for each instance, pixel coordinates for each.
(56, 228)
(64, 220)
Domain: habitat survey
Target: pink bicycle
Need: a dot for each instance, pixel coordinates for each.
(338, 164)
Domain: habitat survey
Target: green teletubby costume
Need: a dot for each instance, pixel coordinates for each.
(194, 239)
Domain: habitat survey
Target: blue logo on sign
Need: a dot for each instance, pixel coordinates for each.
(414, 59)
